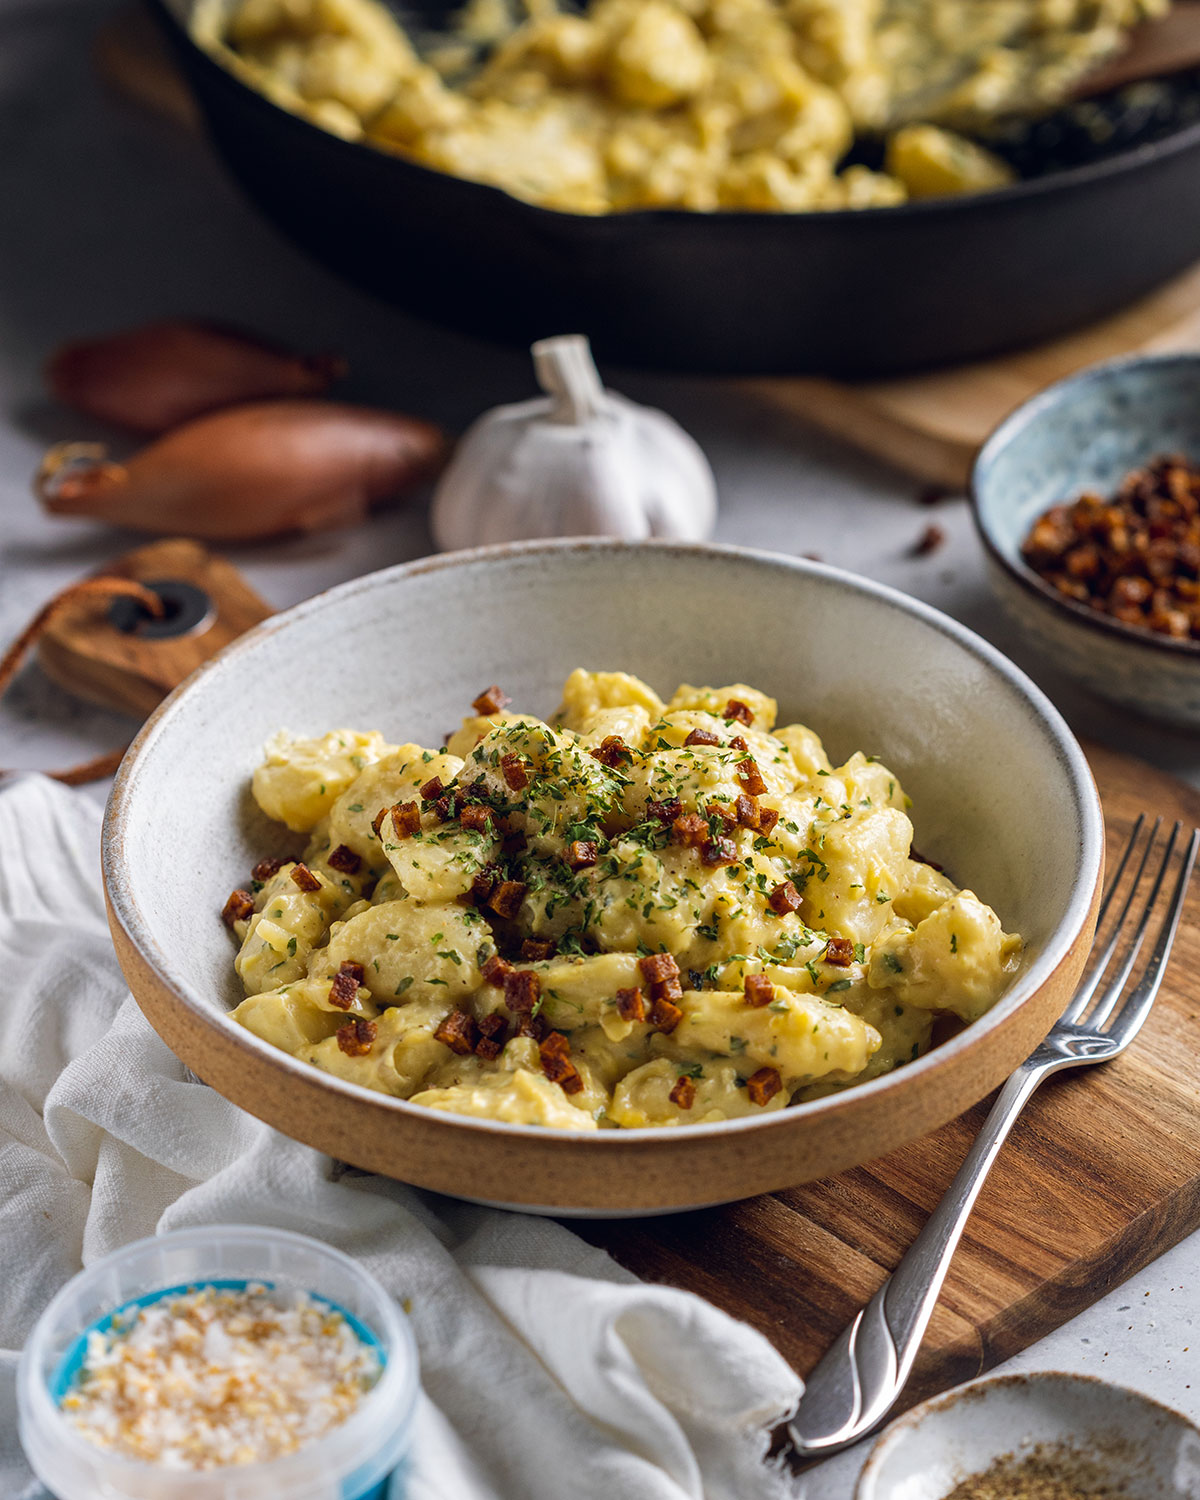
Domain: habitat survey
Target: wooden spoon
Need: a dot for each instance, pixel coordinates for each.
(1155, 49)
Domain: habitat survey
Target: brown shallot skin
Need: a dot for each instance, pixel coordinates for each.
(153, 378)
(250, 473)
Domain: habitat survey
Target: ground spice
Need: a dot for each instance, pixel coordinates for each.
(1045, 1474)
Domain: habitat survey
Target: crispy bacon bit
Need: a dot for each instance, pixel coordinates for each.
(664, 1014)
(631, 1005)
(493, 1033)
(490, 701)
(356, 1037)
(750, 777)
(738, 743)
(689, 830)
(343, 992)
(556, 1044)
(666, 989)
(736, 709)
(764, 1085)
(303, 877)
(522, 991)
(512, 768)
(759, 990)
(612, 751)
(377, 820)
(840, 951)
(265, 868)
(238, 908)
(534, 1026)
(664, 812)
(746, 811)
(784, 898)
(726, 816)
(656, 967)
(433, 789)
(406, 819)
(445, 808)
(582, 854)
(555, 1052)
(345, 860)
(720, 851)
(482, 887)
(496, 970)
(767, 819)
(506, 899)
(683, 1095)
(536, 950)
(477, 819)
(458, 1032)
(702, 737)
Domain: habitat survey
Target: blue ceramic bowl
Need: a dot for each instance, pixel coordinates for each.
(1086, 433)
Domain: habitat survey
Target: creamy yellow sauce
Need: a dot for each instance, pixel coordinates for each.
(696, 104)
(721, 921)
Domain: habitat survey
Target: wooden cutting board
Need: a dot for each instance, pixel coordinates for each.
(1100, 1175)
(932, 425)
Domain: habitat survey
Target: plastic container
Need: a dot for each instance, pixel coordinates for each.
(354, 1461)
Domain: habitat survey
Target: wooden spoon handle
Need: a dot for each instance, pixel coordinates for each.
(1155, 50)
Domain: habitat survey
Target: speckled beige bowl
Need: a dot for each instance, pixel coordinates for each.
(1003, 797)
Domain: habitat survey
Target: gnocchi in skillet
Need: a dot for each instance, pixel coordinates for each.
(636, 914)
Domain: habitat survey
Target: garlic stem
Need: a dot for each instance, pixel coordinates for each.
(565, 370)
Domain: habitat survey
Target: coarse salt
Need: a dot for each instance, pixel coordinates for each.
(216, 1376)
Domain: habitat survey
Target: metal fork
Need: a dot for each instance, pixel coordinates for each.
(861, 1376)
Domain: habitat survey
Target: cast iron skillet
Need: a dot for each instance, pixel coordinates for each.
(852, 293)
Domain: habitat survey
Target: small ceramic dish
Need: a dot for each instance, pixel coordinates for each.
(1003, 798)
(1086, 433)
(1101, 1439)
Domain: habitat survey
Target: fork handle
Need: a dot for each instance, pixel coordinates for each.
(861, 1375)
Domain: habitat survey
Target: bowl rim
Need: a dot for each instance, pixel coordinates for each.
(907, 1425)
(1059, 737)
(1185, 138)
(1011, 430)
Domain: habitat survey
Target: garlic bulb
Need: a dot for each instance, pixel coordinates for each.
(579, 461)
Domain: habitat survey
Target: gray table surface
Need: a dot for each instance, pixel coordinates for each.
(109, 217)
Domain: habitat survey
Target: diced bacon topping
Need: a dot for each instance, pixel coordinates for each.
(477, 819)
(751, 814)
(265, 868)
(738, 743)
(433, 789)
(750, 777)
(304, 878)
(683, 1095)
(506, 899)
(238, 908)
(493, 1033)
(458, 1032)
(726, 816)
(631, 1005)
(764, 1085)
(377, 820)
(689, 829)
(702, 737)
(490, 701)
(720, 851)
(767, 819)
(345, 860)
(582, 854)
(522, 991)
(343, 992)
(759, 990)
(406, 819)
(612, 751)
(736, 709)
(664, 812)
(784, 898)
(665, 1015)
(496, 970)
(445, 808)
(512, 768)
(536, 950)
(534, 1026)
(356, 1037)
(482, 887)
(840, 951)
(555, 1052)
(658, 966)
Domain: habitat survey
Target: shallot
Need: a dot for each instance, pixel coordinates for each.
(249, 473)
(152, 378)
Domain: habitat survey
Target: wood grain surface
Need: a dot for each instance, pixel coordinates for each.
(1101, 1174)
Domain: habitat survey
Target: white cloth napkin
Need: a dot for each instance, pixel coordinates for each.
(546, 1369)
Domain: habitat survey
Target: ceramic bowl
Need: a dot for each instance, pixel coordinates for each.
(1087, 433)
(1003, 797)
(1102, 1438)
